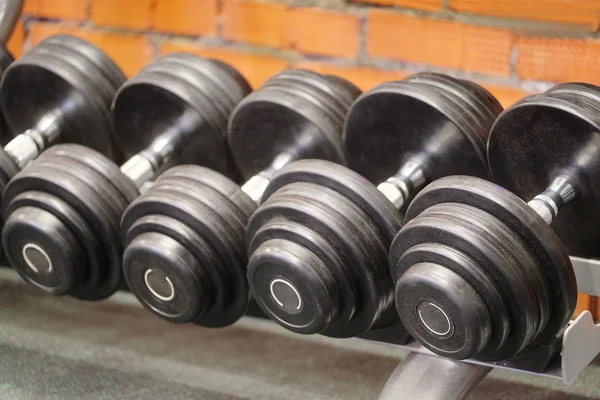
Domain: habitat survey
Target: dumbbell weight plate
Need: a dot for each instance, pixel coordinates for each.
(106, 66)
(473, 273)
(286, 115)
(517, 215)
(547, 134)
(214, 210)
(108, 170)
(365, 208)
(94, 205)
(178, 90)
(99, 203)
(65, 74)
(417, 109)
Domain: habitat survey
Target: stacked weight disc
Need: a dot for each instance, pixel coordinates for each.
(444, 120)
(326, 230)
(187, 94)
(69, 203)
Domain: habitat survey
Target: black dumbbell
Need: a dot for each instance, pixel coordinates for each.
(319, 243)
(490, 265)
(60, 91)
(185, 256)
(63, 212)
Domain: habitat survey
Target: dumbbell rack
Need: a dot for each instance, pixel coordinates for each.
(563, 358)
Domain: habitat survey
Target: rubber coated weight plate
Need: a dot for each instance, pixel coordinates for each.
(344, 88)
(332, 218)
(82, 168)
(520, 261)
(168, 200)
(109, 170)
(24, 105)
(216, 209)
(93, 77)
(513, 247)
(105, 65)
(110, 190)
(341, 189)
(350, 185)
(512, 211)
(481, 107)
(105, 203)
(91, 69)
(95, 209)
(71, 79)
(427, 114)
(190, 77)
(15, 237)
(147, 240)
(226, 187)
(295, 111)
(483, 247)
(226, 81)
(542, 136)
(332, 315)
(318, 91)
(343, 181)
(180, 91)
(51, 229)
(471, 271)
(232, 218)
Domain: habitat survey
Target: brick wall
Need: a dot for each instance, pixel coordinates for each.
(512, 47)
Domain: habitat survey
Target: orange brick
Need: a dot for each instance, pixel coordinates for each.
(64, 9)
(443, 43)
(132, 14)
(363, 78)
(255, 22)
(585, 302)
(429, 5)
(324, 32)
(256, 68)
(583, 12)
(558, 60)
(506, 95)
(186, 17)
(17, 40)
(380, 2)
(130, 52)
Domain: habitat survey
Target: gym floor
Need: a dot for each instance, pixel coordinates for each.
(60, 348)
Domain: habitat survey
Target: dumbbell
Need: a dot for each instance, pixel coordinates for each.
(498, 275)
(63, 212)
(60, 91)
(319, 243)
(185, 255)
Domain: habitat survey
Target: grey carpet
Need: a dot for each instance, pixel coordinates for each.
(60, 348)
